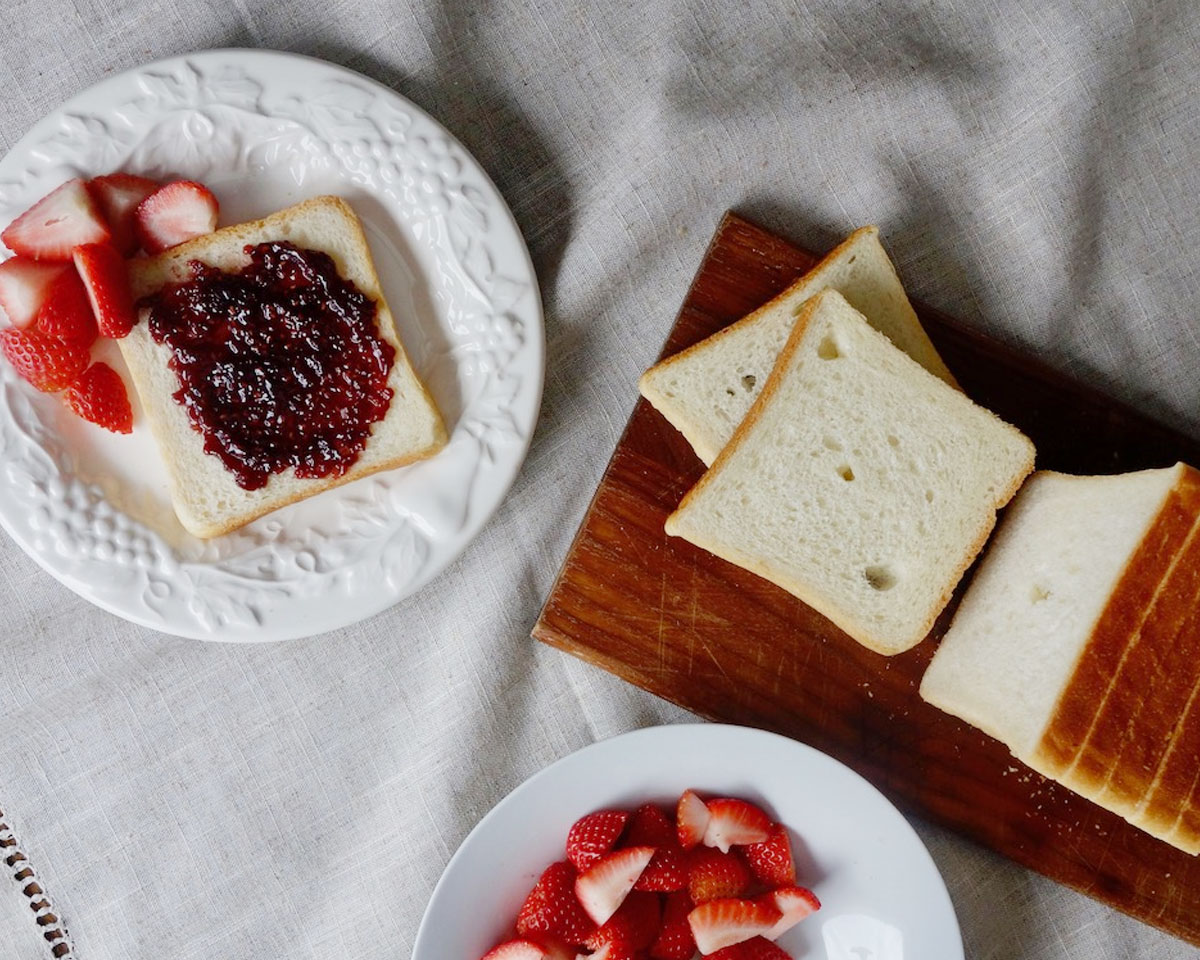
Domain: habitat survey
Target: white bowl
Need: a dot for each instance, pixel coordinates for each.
(881, 895)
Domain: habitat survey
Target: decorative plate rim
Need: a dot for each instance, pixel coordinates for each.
(371, 140)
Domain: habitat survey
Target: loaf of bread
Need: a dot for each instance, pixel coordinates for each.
(1076, 644)
(207, 499)
(858, 481)
(706, 390)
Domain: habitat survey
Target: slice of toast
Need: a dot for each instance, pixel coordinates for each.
(207, 499)
(858, 481)
(706, 390)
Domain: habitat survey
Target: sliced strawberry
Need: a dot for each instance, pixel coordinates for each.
(106, 280)
(24, 286)
(691, 819)
(118, 196)
(771, 861)
(650, 826)
(793, 904)
(603, 887)
(756, 948)
(517, 950)
(551, 908)
(675, 940)
(67, 313)
(611, 951)
(593, 836)
(713, 875)
(56, 224)
(172, 214)
(48, 363)
(99, 396)
(719, 923)
(635, 924)
(735, 822)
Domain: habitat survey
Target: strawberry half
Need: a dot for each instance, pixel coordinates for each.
(57, 224)
(24, 286)
(551, 908)
(605, 885)
(529, 950)
(635, 924)
(67, 313)
(713, 875)
(771, 861)
(719, 923)
(591, 837)
(691, 819)
(756, 948)
(180, 211)
(649, 826)
(793, 904)
(735, 823)
(675, 940)
(46, 362)
(106, 280)
(118, 196)
(99, 396)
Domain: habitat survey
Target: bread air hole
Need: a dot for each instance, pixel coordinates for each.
(845, 472)
(1038, 594)
(880, 578)
(929, 496)
(748, 381)
(893, 440)
(827, 349)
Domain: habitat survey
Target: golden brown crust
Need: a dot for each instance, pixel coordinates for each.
(1077, 739)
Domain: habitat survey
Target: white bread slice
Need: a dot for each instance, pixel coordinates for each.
(859, 482)
(1031, 611)
(1118, 761)
(706, 390)
(206, 497)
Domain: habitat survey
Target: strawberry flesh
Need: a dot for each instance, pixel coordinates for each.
(591, 837)
(793, 904)
(713, 875)
(675, 940)
(719, 923)
(771, 861)
(551, 908)
(24, 286)
(691, 819)
(67, 312)
(735, 823)
(516, 950)
(46, 362)
(756, 948)
(635, 924)
(173, 214)
(99, 396)
(106, 281)
(118, 196)
(605, 885)
(57, 224)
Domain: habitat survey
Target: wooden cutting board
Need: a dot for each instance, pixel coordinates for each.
(729, 646)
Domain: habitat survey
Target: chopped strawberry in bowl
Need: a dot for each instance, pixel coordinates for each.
(688, 841)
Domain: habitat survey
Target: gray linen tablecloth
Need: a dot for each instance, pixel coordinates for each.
(1033, 166)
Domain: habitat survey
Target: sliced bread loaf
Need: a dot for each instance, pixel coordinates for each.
(858, 481)
(1038, 604)
(206, 496)
(706, 390)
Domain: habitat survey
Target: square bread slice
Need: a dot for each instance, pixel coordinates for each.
(1051, 601)
(206, 497)
(859, 482)
(706, 390)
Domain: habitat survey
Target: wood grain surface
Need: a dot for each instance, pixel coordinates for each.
(729, 646)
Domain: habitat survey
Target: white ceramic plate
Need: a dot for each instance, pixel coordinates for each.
(265, 130)
(881, 895)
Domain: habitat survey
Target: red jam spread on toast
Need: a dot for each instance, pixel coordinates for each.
(280, 364)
